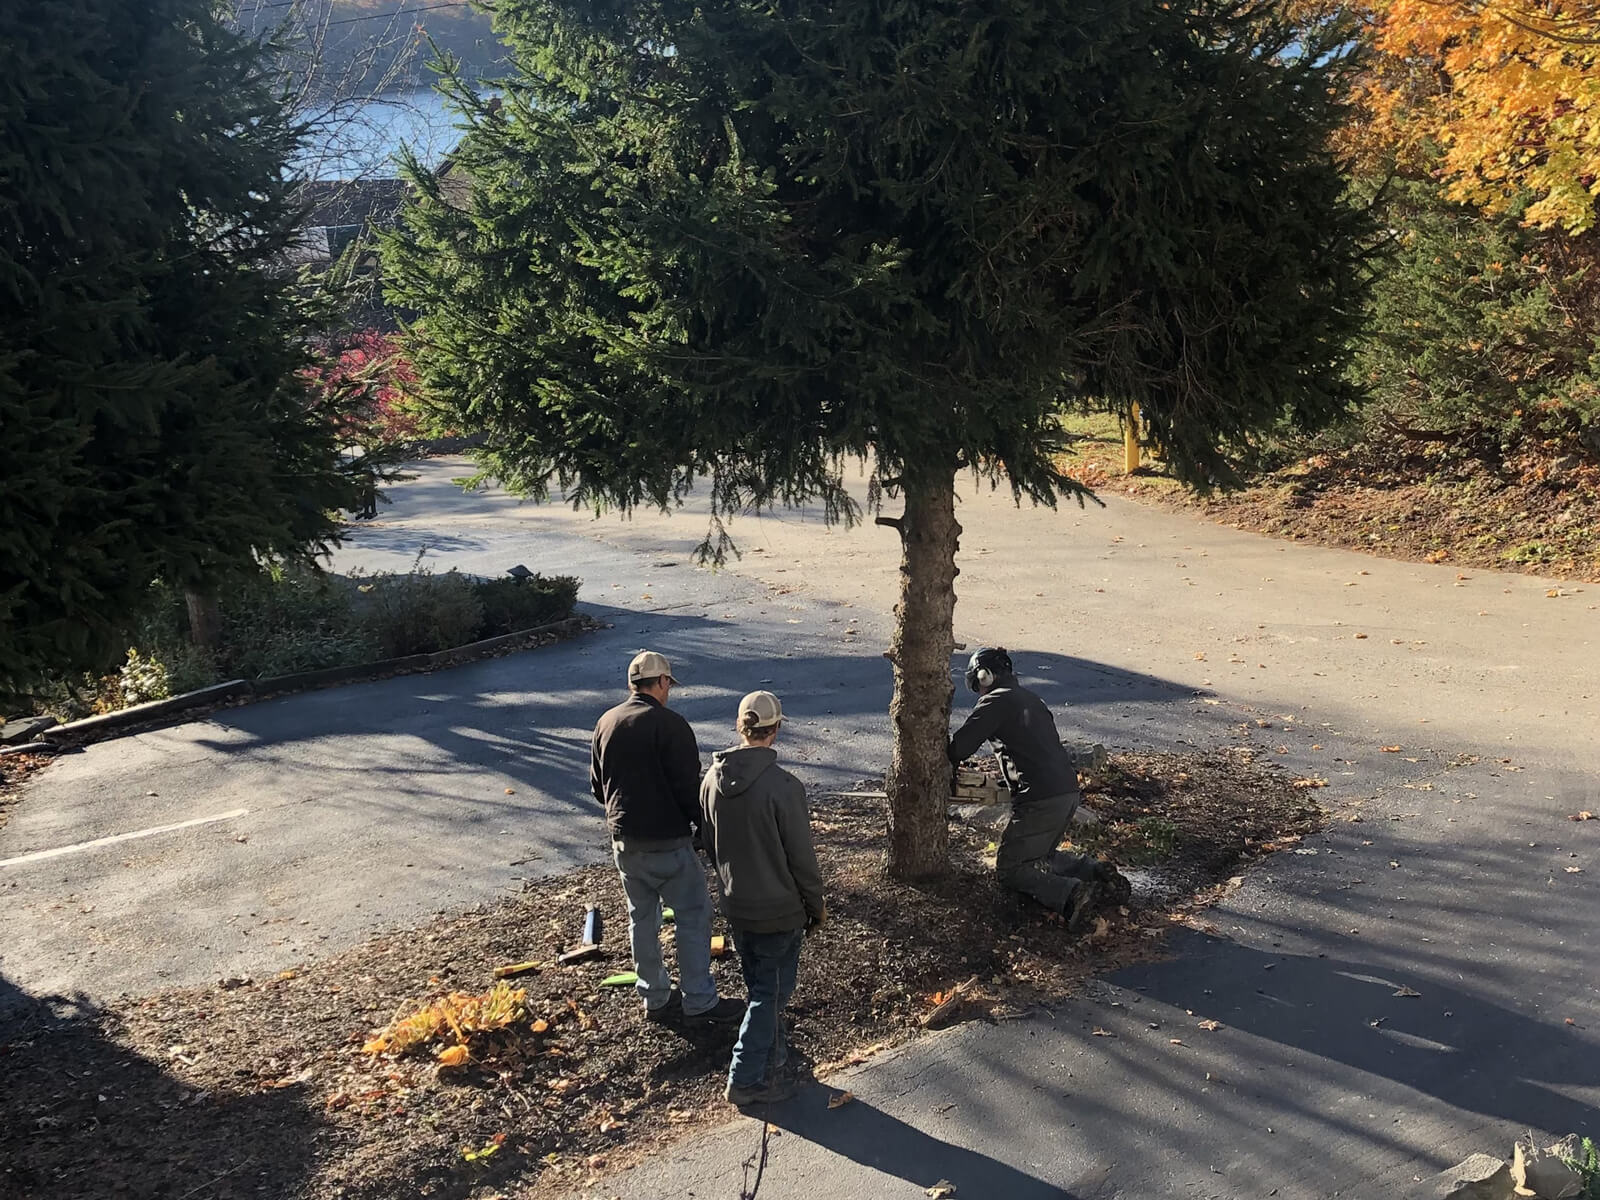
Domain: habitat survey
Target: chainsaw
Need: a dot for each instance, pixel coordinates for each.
(971, 786)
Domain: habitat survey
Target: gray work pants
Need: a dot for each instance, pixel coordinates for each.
(1028, 861)
(651, 878)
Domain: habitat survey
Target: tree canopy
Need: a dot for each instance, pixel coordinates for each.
(154, 421)
(739, 242)
(1500, 101)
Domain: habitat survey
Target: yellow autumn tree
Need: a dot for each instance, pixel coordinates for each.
(1508, 93)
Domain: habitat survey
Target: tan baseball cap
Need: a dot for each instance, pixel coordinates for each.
(647, 664)
(766, 706)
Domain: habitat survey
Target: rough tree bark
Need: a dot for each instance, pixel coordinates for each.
(918, 783)
(205, 619)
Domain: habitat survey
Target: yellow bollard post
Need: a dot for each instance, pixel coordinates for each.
(1130, 442)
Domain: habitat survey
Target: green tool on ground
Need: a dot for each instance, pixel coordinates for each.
(623, 979)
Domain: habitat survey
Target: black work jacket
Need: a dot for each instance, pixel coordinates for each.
(1032, 759)
(644, 766)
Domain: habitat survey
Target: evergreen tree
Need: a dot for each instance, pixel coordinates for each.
(742, 242)
(152, 421)
(1483, 333)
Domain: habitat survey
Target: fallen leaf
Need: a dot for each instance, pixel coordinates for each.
(856, 1057)
(1310, 783)
(1102, 929)
(511, 791)
(452, 1056)
(1360, 636)
(840, 1099)
(1210, 1026)
(1553, 593)
(541, 1025)
(1175, 1041)
(1570, 1021)
(468, 1154)
(1098, 1032)
(1573, 870)
(942, 1190)
(1391, 749)
(1407, 992)
(1585, 815)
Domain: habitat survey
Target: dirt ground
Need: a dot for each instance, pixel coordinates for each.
(1539, 514)
(263, 1088)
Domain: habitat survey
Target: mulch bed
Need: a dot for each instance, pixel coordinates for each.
(1539, 514)
(256, 1088)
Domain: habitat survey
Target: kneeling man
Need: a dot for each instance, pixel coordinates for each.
(1043, 779)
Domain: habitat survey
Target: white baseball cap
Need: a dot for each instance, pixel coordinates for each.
(647, 664)
(767, 708)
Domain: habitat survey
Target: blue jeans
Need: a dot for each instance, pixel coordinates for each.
(651, 878)
(770, 962)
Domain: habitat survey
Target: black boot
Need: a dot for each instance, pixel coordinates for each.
(1116, 890)
(1085, 900)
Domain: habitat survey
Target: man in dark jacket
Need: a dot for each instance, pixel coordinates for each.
(1043, 779)
(645, 768)
(758, 831)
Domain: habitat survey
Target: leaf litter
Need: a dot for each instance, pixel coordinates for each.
(392, 1067)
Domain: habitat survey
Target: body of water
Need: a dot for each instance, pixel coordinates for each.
(364, 140)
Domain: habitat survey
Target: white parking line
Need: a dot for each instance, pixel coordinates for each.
(37, 855)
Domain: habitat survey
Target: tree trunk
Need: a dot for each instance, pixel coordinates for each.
(205, 619)
(919, 772)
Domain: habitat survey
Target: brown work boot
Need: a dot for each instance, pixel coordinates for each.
(770, 1093)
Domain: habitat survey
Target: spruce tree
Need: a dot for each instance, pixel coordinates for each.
(152, 420)
(738, 243)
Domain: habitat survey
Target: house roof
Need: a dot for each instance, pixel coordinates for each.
(353, 202)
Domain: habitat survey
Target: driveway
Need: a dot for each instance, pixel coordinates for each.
(1453, 716)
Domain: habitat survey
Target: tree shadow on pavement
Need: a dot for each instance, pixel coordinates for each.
(872, 1138)
(1403, 1026)
(406, 744)
(83, 1115)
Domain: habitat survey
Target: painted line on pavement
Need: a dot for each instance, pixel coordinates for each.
(38, 855)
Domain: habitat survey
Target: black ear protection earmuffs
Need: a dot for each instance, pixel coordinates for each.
(986, 665)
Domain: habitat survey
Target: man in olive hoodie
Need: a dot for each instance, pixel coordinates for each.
(758, 832)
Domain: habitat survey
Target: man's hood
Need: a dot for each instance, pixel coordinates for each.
(737, 769)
